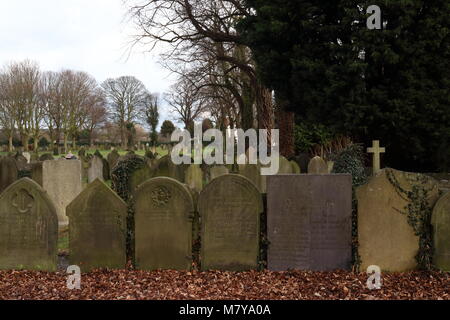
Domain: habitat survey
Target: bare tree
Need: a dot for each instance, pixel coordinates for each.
(188, 27)
(24, 96)
(125, 98)
(186, 102)
(7, 112)
(96, 112)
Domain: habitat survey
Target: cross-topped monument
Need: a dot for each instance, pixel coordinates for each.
(376, 151)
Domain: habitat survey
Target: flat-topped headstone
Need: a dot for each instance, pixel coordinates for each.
(97, 233)
(385, 237)
(28, 228)
(46, 156)
(8, 172)
(230, 208)
(164, 211)
(309, 222)
(95, 170)
(317, 166)
(62, 181)
(441, 233)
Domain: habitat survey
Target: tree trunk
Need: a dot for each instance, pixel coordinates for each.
(25, 139)
(10, 143)
(286, 123)
(35, 143)
(264, 106)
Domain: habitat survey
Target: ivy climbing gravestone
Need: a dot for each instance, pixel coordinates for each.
(309, 222)
(28, 228)
(386, 239)
(441, 233)
(164, 211)
(97, 233)
(230, 207)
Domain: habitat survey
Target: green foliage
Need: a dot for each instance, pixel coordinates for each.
(43, 142)
(351, 160)
(329, 68)
(121, 180)
(418, 212)
(307, 135)
(167, 128)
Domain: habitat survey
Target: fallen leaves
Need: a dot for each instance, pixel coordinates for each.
(213, 285)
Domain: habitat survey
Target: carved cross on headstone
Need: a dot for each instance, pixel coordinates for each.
(376, 151)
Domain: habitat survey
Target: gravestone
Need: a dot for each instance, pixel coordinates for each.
(27, 156)
(285, 166)
(164, 167)
(217, 171)
(62, 181)
(441, 233)
(95, 170)
(34, 157)
(8, 172)
(164, 211)
(28, 228)
(46, 156)
(230, 207)
(194, 177)
(309, 222)
(113, 158)
(253, 173)
(21, 161)
(317, 166)
(97, 233)
(295, 167)
(385, 237)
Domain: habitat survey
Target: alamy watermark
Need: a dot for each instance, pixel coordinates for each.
(229, 148)
(74, 278)
(374, 280)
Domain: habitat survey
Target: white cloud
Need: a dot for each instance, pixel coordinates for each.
(87, 35)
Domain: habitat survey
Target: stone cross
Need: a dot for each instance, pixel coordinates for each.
(376, 151)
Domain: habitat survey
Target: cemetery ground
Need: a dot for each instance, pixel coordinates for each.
(216, 285)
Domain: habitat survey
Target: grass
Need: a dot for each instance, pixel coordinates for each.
(63, 240)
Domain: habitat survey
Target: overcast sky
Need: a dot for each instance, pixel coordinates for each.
(85, 35)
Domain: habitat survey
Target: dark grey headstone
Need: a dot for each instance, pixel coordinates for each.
(309, 222)
(8, 172)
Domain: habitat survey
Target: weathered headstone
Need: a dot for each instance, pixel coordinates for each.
(95, 170)
(376, 152)
(46, 156)
(8, 172)
(28, 228)
(97, 233)
(309, 222)
(385, 237)
(113, 158)
(194, 177)
(164, 167)
(317, 166)
(295, 167)
(441, 233)
(62, 181)
(217, 171)
(164, 210)
(253, 173)
(230, 208)
(285, 166)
